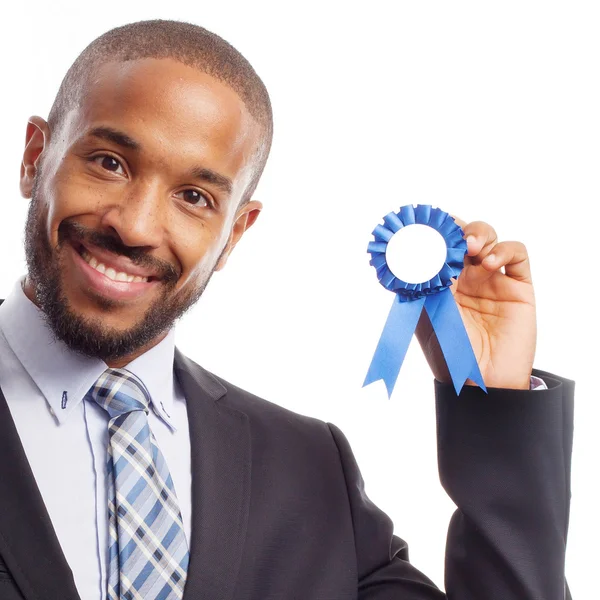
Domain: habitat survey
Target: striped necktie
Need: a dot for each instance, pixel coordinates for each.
(148, 553)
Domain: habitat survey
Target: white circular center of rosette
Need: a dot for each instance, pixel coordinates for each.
(416, 253)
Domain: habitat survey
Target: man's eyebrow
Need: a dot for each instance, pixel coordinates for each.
(201, 173)
(115, 136)
(210, 176)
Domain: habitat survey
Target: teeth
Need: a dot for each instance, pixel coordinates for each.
(110, 272)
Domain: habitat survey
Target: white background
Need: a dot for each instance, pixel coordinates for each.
(489, 110)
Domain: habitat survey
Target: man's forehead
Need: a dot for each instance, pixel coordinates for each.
(156, 71)
(167, 87)
(169, 106)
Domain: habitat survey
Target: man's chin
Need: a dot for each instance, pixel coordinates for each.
(96, 331)
(105, 323)
(96, 323)
(114, 313)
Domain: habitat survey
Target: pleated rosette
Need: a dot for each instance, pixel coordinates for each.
(421, 214)
(433, 295)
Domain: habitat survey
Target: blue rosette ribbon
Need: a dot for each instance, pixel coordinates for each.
(434, 296)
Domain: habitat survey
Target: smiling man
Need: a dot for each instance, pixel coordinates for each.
(139, 130)
(130, 472)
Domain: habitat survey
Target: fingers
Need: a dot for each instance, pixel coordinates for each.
(513, 257)
(481, 238)
(483, 248)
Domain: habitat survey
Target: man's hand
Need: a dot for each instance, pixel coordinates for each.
(498, 310)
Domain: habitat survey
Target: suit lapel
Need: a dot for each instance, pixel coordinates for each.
(28, 543)
(221, 464)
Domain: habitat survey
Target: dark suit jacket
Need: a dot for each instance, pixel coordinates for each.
(280, 513)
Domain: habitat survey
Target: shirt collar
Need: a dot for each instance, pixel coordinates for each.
(155, 369)
(64, 376)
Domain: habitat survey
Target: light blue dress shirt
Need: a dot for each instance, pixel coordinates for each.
(65, 439)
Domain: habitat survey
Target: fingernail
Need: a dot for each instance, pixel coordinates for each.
(471, 239)
(490, 258)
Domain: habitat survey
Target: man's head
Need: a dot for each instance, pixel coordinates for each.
(152, 150)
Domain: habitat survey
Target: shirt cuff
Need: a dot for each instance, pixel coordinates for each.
(536, 383)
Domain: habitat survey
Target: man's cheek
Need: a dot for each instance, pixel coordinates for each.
(52, 214)
(196, 275)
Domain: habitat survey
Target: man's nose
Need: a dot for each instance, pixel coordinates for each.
(139, 217)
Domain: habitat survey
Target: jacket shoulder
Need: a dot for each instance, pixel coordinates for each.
(258, 409)
(257, 406)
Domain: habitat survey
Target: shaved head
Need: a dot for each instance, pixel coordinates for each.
(189, 44)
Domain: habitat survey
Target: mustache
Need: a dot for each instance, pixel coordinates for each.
(74, 232)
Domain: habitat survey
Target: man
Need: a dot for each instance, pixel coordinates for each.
(130, 472)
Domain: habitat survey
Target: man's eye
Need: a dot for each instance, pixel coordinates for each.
(109, 163)
(194, 197)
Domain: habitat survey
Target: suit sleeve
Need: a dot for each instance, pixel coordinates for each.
(505, 460)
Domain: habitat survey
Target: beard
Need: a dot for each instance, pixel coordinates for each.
(86, 335)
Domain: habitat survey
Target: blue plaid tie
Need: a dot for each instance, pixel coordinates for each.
(148, 554)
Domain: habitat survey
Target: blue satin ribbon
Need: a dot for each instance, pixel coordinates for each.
(434, 296)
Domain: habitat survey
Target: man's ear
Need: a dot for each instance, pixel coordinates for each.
(247, 215)
(37, 138)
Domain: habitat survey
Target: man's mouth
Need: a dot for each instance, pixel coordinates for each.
(114, 267)
(111, 276)
(109, 271)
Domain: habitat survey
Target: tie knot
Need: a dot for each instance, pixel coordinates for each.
(119, 391)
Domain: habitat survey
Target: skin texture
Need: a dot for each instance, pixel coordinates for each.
(137, 205)
(146, 200)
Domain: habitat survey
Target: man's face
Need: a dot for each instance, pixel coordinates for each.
(136, 203)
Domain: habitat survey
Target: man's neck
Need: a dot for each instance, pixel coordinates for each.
(124, 361)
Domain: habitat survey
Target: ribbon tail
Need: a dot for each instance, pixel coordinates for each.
(394, 341)
(453, 339)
